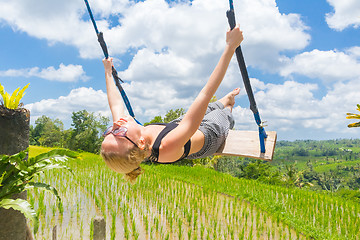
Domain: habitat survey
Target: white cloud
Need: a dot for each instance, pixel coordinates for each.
(197, 31)
(62, 107)
(244, 118)
(54, 21)
(152, 98)
(287, 107)
(146, 105)
(354, 52)
(185, 29)
(69, 73)
(329, 66)
(290, 100)
(176, 48)
(105, 8)
(268, 32)
(173, 50)
(346, 14)
(191, 30)
(292, 107)
(333, 107)
(147, 64)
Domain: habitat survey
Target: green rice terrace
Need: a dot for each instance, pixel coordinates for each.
(181, 202)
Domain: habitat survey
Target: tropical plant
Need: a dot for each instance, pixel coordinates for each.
(16, 175)
(12, 101)
(354, 116)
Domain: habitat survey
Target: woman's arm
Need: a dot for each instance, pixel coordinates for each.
(114, 98)
(173, 143)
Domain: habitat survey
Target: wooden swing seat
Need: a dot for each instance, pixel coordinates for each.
(247, 144)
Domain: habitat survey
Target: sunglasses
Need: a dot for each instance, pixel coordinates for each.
(119, 132)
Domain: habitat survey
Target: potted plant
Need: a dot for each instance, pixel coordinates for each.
(17, 175)
(16, 170)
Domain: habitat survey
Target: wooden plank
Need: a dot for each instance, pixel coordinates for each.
(247, 144)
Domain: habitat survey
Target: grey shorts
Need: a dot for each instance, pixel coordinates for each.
(215, 127)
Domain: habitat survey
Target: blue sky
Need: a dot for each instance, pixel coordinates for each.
(303, 58)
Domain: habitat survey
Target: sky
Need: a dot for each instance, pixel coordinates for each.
(303, 59)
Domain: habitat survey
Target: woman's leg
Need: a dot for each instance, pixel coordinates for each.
(229, 100)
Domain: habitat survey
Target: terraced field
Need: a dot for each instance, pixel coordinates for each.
(172, 202)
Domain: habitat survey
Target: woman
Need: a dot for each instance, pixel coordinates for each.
(199, 133)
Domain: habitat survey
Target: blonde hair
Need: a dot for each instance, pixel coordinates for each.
(128, 164)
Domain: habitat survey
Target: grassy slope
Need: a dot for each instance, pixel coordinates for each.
(248, 190)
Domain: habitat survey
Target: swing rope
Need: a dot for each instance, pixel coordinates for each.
(241, 62)
(117, 79)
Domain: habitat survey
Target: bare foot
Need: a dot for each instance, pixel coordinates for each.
(229, 99)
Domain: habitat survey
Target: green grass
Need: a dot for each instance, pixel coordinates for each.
(180, 193)
(290, 208)
(36, 150)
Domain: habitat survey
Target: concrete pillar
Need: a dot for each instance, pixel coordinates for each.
(99, 228)
(54, 233)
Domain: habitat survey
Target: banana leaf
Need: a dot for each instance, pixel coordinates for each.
(16, 175)
(20, 205)
(45, 187)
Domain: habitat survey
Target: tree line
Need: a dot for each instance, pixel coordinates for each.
(85, 133)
